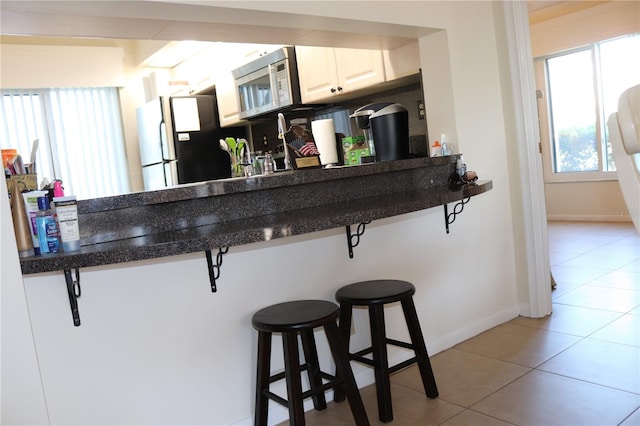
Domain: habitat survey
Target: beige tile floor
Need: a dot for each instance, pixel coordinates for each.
(579, 366)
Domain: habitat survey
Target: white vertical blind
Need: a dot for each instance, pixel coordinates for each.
(22, 119)
(80, 133)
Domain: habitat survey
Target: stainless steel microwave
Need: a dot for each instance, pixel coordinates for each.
(268, 84)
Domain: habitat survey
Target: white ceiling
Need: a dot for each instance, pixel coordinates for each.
(149, 22)
(173, 21)
(543, 10)
(152, 20)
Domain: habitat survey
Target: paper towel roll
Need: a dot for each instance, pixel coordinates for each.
(325, 136)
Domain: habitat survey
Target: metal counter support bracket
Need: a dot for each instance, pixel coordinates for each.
(214, 269)
(449, 218)
(354, 239)
(74, 291)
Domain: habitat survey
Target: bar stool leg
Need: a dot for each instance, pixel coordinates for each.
(345, 334)
(380, 362)
(262, 378)
(311, 358)
(417, 339)
(341, 358)
(292, 376)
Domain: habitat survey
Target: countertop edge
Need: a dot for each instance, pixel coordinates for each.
(261, 228)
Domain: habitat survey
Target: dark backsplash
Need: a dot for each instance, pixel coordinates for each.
(265, 133)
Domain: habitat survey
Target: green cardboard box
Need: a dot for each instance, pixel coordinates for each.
(353, 148)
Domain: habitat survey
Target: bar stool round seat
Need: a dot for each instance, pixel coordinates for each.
(291, 319)
(376, 292)
(374, 295)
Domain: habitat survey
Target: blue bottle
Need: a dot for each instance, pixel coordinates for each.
(47, 228)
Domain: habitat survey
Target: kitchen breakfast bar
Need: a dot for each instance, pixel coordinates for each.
(154, 345)
(232, 212)
(216, 215)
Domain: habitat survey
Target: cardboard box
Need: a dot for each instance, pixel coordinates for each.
(27, 182)
(353, 148)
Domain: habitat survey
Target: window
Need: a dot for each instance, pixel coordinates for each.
(80, 137)
(582, 88)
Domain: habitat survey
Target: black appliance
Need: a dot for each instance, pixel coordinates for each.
(179, 141)
(387, 126)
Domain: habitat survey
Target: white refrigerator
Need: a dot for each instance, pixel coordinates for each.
(179, 141)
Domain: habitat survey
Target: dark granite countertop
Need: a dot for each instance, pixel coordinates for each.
(257, 183)
(231, 212)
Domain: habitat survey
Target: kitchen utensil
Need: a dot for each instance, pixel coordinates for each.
(32, 158)
(18, 165)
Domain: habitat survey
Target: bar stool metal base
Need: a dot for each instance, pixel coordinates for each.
(293, 319)
(375, 294)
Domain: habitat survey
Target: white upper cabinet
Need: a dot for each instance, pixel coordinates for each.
(228, 107)
(213, 66)
(327, 72)
(401, 62)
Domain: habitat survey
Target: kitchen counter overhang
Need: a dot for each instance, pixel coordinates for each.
(232, 212)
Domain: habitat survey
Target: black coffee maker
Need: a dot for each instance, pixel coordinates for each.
(386, 129)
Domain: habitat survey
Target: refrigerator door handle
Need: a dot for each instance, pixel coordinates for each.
(163, 141)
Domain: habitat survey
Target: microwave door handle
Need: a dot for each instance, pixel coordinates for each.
(275, 93)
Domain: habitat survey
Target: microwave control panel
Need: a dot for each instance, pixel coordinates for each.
(282, 83)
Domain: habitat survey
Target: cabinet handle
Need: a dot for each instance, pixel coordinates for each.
(339, 89)
(333, 90)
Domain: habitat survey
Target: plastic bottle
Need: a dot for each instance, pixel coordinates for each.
(436, 149)
(47, 228)
(461, 167)
(58, 190)
(446, 150)
(31, 206)
(67, 217)
(268, 164)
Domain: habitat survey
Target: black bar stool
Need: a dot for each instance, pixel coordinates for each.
(291, 319)
(375, 294)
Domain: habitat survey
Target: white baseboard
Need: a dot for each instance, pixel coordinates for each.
(472, 329)
(589, 218)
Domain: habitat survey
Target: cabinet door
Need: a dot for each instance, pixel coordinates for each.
(250, 52)
(228, 107)
(402, 61)
(317, 72)
(358, 68)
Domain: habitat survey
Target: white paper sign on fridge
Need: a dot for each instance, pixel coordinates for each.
(185, 114)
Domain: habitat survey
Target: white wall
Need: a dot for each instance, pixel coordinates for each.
(28, 66)
(600, 201)
(21, 394)
(596, 201)
(157, 347)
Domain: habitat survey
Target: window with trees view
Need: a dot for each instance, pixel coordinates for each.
(583, 87)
